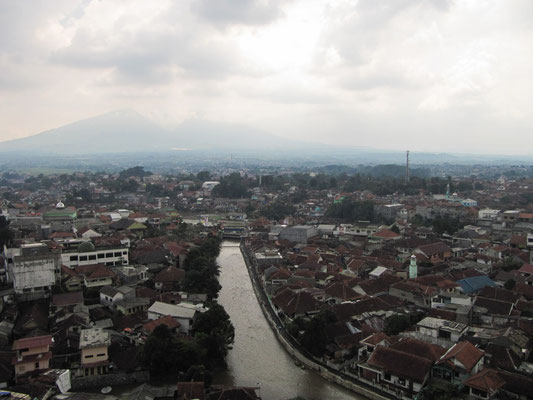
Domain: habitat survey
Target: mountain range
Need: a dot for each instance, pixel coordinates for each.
(126, 131)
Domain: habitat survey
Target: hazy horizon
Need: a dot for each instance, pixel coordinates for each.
(434, 76)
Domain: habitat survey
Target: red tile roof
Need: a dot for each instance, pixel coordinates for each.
(170, 274)
(419, 348)
(526, 268)
(94, 271)
(167, 320)
(403, 365)
(465, 352)
(386, 234)
(487, 380)
(67, 299)
(31, 342)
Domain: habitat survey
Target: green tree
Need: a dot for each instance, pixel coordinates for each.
(396, 324)
(232, 186)
(315, 338)
(510, 284)
(137, 171)
(215, 332)
(277, 210)
(350, 211)
(164, 354)
(203, 176)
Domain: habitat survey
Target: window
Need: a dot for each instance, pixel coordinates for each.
(118, 254)
(108, 255)
(387, 377)
(73, 258)
(83, 258)
(444, 334)
(101, 255)
(92, 257)
(124, 252)
(89, 356)
(37, 365)
(100, 355)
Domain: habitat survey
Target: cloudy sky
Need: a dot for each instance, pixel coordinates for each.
(435, 75)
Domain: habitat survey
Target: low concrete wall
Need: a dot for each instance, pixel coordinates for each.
(308, 363)
(110, 380)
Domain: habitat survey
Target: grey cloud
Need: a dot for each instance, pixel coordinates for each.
(244, 12)
(152, 57)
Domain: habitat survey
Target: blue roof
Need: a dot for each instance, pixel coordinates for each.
(475, 283)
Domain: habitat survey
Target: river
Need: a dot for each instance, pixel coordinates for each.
(257, 358)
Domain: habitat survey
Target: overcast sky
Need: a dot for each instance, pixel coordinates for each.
(433, 75)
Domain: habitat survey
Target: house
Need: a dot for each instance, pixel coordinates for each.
(369, 343)
(401, 373)
(526, 270)
(485, 384)
(131, 274)
(70, 279)
(94, 344)
(110, 295)
(298, 233)
(338, 292)
(130, 305)
(184, 314)
(88, 233)
(95, 275)
(460, 361)
(440, 331)
(130, 225)
(294, 304)
(384, 235)
(435, 252)
(170, 322)
(69, 299)
(32, 354)
(474, 283)
(169, 279)
(414, 292)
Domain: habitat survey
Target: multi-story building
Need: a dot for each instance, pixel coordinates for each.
(32, 269)
(32, 354)
(94, 343)
(86, 253)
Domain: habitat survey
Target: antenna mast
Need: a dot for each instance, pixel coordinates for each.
(407, 167)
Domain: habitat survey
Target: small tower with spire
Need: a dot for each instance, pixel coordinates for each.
(413, 268)
(448, 191)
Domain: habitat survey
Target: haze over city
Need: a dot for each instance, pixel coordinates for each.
(420, 75)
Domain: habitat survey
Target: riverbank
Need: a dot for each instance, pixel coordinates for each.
(293, 348)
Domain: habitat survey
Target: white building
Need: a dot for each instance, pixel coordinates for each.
(87, 254)
(488, 213)
(209, 185)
